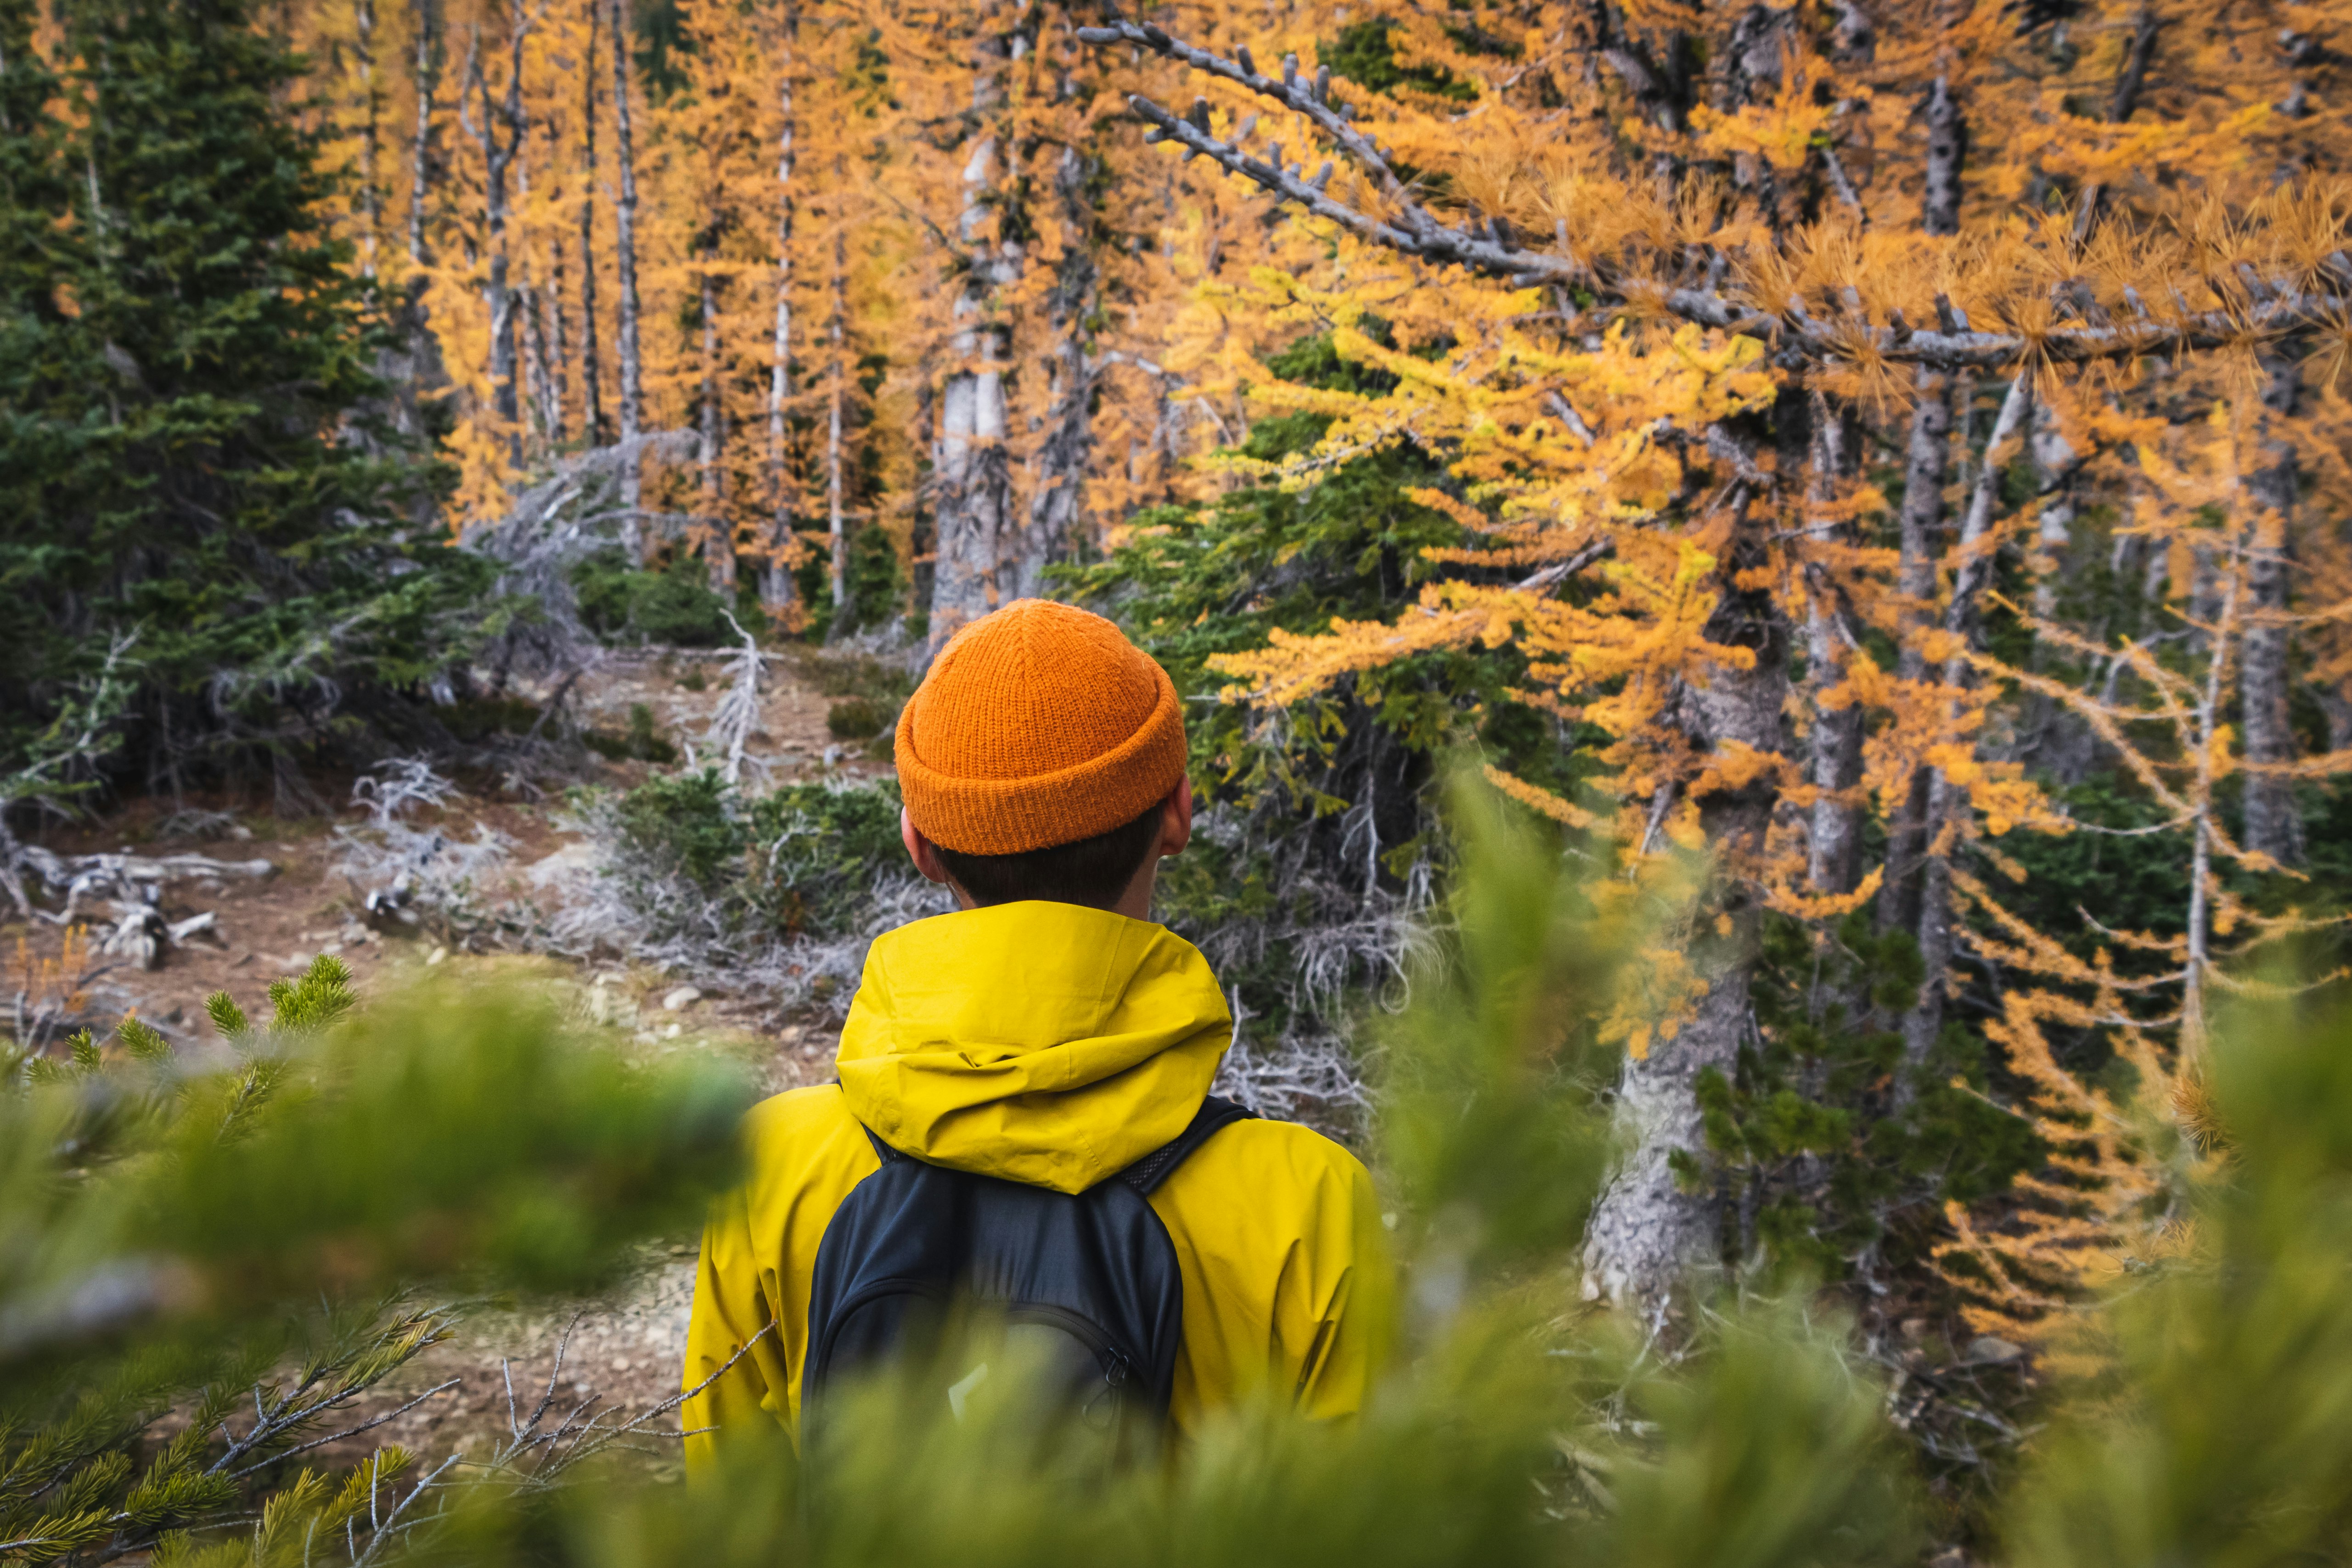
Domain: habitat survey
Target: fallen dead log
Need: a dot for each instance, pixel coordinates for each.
(133, 884)
(181, 930)
(127, 878)
(142, 935)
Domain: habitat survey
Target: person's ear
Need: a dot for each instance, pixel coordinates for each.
(1176, 820)
(920, 850)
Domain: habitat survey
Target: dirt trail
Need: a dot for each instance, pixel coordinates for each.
(628, 1348)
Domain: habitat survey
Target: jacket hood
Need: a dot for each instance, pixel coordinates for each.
(1046, 1043)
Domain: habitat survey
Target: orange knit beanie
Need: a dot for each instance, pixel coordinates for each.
(1038, 725)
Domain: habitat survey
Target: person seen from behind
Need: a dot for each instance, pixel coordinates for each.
(1023, 1112)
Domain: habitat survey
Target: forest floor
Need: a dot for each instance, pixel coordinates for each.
(627, 1348)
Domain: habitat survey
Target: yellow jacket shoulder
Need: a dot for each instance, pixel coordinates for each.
(1289, 1289)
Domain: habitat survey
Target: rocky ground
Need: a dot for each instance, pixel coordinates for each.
(625, 1350)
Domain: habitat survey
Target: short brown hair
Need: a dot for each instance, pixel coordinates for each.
(1092, 871)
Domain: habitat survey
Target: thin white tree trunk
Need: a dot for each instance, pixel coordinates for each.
(2273, 822)
(558, 374)
(719, 547)
(2200, 860)
(370, 189)
(1945, 800)
(498, 157)
(1926, 463)
(559, 357)
(1834, 862)
(1926, 460)
(1939, 206)
(778, 592)
(837, 533)
(975, 501)
(541, 351)
(592, 374)
(633, 542)
(413, 366)
(1057, 501)
(420, 157)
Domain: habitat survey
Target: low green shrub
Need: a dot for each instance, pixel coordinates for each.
(817, 852)
(876, 583)
(476, 718)
(801, 861)
(672, 607)
(853, 718)
(640, 743)
(845, 674)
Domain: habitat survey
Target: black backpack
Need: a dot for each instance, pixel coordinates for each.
(1084, 1286)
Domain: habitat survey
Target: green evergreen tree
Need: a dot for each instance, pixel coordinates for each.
(32, 249)
(186, 449)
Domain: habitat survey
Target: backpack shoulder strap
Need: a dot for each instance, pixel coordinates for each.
(1153, 1168)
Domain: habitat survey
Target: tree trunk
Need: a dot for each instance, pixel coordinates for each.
(420, 158)
(497, 157)
(1947, 143)
(537, 364)
(2230, 591)
(2125, 98)
(558, 374)
(2274, 825)
(2050, 736)
(1945, 800)
(370, 189)
(980, 562)
(1833, 859)
(838, 330)
(1834, 862)
(633, 543)
(1057, 505)
(1753, 70)
(1926, 465)
(1925, 461)
(413, 364)
(778, 592)
(1647, 1234)
(592, 374)
(923, 534)
(542, 348)
(719, 547)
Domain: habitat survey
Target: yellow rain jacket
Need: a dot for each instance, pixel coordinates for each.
(1052, 1044)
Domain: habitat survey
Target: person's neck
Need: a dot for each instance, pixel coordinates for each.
(1135, 903)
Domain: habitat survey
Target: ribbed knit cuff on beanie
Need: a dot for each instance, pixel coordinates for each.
(1038, 725)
